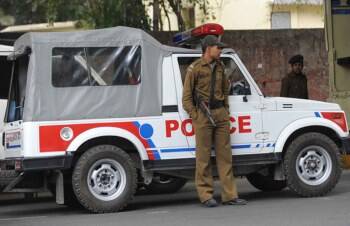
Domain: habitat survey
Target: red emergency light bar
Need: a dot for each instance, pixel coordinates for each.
(208, 29)
(189, 36)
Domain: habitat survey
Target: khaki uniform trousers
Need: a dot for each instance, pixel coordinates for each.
(206, 137)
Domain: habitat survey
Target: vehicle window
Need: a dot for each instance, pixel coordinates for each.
(184, 63)
(16, 97)
(235, 77)
(69, 67)
(232, 73)
(5, 76)
(115, 66)
(96, 66)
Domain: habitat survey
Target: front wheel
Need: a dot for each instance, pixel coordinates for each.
(312, 165)
(104, 179)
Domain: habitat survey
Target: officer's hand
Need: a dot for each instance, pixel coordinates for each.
(194, 114)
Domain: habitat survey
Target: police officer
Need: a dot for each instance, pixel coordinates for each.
(205, 77)
(295, 83)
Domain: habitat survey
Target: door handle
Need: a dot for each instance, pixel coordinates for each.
(262, 136)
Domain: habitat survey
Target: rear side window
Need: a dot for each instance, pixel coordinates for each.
(69, 67)
(96, 66)
(16, 99)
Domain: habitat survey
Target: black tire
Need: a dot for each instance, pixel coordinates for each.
(321, 143)
(70, 199)
(104, 154)
(163, 184)
(266, 183)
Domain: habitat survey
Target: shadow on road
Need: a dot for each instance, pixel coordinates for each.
(186, 197)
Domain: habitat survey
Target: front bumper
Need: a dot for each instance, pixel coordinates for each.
(346, 145)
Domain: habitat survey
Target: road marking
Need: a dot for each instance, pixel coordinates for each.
(20, 218)
(158, 212)
(325, 198)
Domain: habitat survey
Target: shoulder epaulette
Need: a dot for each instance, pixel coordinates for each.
(190, 68)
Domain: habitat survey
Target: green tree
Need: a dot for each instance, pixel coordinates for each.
(90, 13)
(108, 13)
(178, 7)
(62, 10)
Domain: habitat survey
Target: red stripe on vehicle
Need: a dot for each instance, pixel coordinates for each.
(51, 141)
(150, 155)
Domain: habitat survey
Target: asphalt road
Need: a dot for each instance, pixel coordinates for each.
(182, 209)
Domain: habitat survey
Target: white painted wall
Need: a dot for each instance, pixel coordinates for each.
(239, 14)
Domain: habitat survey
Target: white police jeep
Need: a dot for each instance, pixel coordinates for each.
(95, 115)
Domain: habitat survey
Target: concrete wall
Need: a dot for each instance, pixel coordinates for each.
(266, 54)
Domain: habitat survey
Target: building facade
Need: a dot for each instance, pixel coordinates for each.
(255, 14)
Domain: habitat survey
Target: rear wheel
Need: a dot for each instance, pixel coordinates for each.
(104, 179)
(312, 165)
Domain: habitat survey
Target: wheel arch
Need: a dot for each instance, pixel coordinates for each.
(113, 136)
(303, 126)
(319, 129)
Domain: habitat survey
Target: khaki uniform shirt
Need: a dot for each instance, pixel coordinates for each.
(198, 77)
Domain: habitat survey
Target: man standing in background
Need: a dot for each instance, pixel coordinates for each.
(295, 83)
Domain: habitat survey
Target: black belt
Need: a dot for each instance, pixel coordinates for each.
(216, 104)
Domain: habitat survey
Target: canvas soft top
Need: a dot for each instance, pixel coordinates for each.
(44, 102)
(93, 38)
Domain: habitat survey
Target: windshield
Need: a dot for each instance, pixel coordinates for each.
(16, 96)
(233, 73)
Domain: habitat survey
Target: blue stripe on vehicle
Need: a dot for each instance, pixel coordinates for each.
(170, 150)
(156, 155)
(13, 146)
(317, 114)
(137, 124)
(240, 146)
(150, 143)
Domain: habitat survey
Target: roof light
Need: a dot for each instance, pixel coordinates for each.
(195, 34)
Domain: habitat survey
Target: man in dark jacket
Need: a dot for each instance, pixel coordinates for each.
(295, 83)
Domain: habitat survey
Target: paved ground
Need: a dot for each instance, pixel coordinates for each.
(281, 208)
